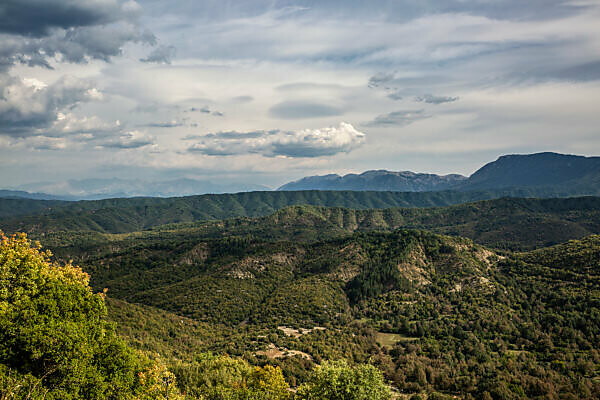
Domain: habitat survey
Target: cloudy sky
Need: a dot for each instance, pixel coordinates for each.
(267, 91)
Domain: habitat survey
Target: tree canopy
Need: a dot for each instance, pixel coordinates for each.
(55, 342)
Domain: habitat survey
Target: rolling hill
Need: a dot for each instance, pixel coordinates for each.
(514, 224)
(409, 301)
(134, 214)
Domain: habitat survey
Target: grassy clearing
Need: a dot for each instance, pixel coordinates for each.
(390, 339)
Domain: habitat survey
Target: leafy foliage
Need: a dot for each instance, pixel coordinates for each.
(339, 381)
(54, 340)
(223, 378)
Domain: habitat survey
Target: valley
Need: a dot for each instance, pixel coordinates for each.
(464, 300)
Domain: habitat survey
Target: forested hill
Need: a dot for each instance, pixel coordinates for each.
(508, 224)
(134, 214)
(13, 206)
(430, 311)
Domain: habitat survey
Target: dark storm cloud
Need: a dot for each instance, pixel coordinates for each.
(37, 18)
(34, 31)
(398, 118)
(303, 109)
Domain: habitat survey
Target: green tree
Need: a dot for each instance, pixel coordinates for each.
(339, 381)
(213, 377)
(54, 340)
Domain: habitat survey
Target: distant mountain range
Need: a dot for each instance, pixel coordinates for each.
(380, 180)
(555, 174)
(94, 189)
(20, 194)
(535, 175)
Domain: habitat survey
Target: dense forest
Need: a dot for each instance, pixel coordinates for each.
(507, 223)
(496, 299)
(134, 214)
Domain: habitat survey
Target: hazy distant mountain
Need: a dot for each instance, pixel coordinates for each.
(20, 194)
(381, 180)
(565, 174)
(93, 189)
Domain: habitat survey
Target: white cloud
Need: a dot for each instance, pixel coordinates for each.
(29, 106)
(305, 143)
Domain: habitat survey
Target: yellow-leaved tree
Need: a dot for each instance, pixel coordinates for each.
(55, 341)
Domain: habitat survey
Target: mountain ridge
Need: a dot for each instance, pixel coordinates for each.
(563, 174)
(132, 214)
(400, 181)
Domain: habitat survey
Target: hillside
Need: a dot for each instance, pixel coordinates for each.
(134, 214)
(413, 302)
(514, 224)
(308, 284)
(15, 207)
(382, 180)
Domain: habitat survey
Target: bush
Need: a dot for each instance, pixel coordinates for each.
(339, 381)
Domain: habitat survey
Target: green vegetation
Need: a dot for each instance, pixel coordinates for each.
(13, 207)
(135, 214)
(54, 340)
(223, 378)
(339, 381)
(510, 224)
(433, 313)
(320, 299)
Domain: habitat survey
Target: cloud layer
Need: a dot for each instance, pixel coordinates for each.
(436, 85)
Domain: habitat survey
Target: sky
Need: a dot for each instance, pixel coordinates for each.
(264, 91)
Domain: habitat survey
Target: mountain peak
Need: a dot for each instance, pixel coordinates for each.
(536, 170)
